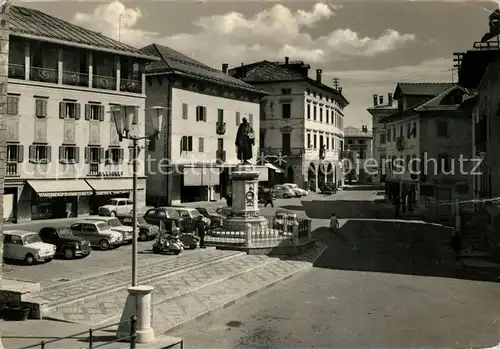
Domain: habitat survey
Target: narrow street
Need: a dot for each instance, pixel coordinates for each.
(399, 287)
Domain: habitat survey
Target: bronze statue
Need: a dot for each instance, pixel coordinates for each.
(245, 140)
(494, 22)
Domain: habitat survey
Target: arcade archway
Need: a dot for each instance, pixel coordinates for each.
(321, 175)
(330, 173)
(311, 176)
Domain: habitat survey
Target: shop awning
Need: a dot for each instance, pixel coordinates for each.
(274, 168)
(199, 176)
(60, 187)
(109, 186)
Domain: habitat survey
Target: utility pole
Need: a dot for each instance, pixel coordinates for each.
(336, 83)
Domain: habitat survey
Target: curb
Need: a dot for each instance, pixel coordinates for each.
(243, 297)
(89, 296)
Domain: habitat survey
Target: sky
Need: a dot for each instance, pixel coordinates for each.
(368, 45)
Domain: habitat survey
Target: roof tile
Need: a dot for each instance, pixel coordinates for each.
(422, 88)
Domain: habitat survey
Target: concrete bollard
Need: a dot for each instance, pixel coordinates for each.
(138, 303)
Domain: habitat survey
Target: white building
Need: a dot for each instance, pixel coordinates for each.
(63, 151)
(206, 107)
(299, 116)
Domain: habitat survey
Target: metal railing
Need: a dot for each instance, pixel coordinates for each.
(11, 169)
(17, 71)
(104, 82)
(75, 78)
(94, 169)
(44, 74)
(91, 333)
(129, 85)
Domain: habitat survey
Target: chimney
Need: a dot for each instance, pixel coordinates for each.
(318, 75)
(381, 99)
(224, 68)
(364, 128)
(390, 98)
(287, 60)
(242, 70)
(340, 89)
(375, 100)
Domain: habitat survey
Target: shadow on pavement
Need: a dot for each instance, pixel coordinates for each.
(293, 207)
(323, 209)
(361, 188)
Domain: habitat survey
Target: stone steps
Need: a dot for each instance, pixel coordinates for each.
(103, 308)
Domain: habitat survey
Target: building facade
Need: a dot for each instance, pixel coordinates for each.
(360, 143)
(302, 121)
(63, 153)
(192, 159)
(379, 111)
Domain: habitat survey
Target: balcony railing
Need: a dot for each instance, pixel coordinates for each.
(133, 86)
(11, 169)
(220, 128)
(221, 156)
(94, 170)
(44, 75)
(75, 79)
(16, 71)
(104, 82)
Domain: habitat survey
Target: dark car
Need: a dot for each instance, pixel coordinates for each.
(329, 188)
(192, 220)
(146, 231)
(216, 219)
(163, 217)
(66, 243)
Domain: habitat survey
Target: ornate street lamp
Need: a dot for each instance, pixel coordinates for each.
(125, 118)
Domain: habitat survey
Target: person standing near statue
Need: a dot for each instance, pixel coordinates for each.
(245, 140)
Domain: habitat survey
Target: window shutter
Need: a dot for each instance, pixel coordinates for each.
(61, 154)
(101, 113)
(87, 112)
(238, 121)
(77, 155)
(204, 114)
(190, 143)
(184, 110)
(87, 155)
(122, 155)
(101, 155)
(62, 110)
(107, 158)
(20, 153)
(49, 153)
(77, 111)
(15, 101)
(44, 107)
(184, 143)
(198, 113)
(32, 154)
(200, 144)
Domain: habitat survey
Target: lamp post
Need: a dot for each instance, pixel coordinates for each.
(139, 304)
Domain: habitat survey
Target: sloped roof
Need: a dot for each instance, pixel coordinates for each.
(354, 132)
(436, 102)
(421, 88)
(33, 24)
(178, 63)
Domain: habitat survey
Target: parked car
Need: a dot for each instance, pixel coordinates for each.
(192, 220)
(166, 218)
(295, 188)
(146, 231)
(281, 191)
(116, 206)
(328, 188)
(216, 219)
(99, 233)
(26, 246)
(116, 225)
(67, 245)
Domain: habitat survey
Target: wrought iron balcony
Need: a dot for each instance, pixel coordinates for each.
(75, 79)
(134, 86)
(16, 71)
(11, 169)
(44, 75)
(221, 156)
(104, 82)
(94, 170)
(220, 128)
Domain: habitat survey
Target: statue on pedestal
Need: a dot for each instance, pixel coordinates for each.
(245, 140)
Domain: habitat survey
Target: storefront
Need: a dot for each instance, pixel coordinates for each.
(198, 182)
(59, 198)
(105, 189)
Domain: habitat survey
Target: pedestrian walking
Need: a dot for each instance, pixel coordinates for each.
(69, 209)
(456, 245)
(334, 224)
(269, 198)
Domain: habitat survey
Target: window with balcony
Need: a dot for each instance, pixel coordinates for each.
(114, 155)
(130, 75)
(75, 67)
(69, 110)
(94, 112)
(286, 110)
(201, 113)
(69, 154)
(17, 51)
(104, 71)
(186, 143)
(40, 154)
(41, 107)
(15, 155)
(44, 62)
(94, 155)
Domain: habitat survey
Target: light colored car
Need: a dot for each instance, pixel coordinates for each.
(116, 207)
(281, 191)
(26, 246)
(116, 225)
(99, 233)
(298, 191)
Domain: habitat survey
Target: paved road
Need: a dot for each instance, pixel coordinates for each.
(60, 270)
(398, 288)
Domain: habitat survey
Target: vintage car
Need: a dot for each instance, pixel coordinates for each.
(67, 245)
(26, 246)
(295, 188)
(192, 220)
(146, 231)
(281, 191)
(116, 206)
(166, 218)
(216, 219)
(329, 188)
(116, 225)
(99, 233)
